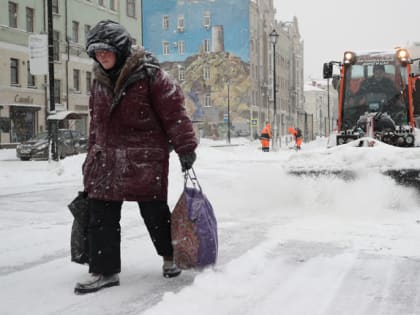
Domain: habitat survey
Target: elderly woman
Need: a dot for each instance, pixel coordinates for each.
(137, 112)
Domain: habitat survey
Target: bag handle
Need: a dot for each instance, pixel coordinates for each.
(192, 177)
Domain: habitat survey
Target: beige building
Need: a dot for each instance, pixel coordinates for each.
(317, 103)
(290, 78)
(24, 98)
(289, 67)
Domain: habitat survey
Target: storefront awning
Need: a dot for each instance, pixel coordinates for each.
(66, 114)
(34, 106)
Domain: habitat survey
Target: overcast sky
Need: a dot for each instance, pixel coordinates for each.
(329, 27)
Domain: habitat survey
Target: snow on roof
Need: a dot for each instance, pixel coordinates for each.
(65, 114)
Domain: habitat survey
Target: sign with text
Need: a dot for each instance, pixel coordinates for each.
(38, 54)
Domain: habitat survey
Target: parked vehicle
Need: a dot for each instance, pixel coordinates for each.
(37, 147)
(82, 141)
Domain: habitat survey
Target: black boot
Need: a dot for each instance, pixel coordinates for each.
(169, 268)
(96, 283)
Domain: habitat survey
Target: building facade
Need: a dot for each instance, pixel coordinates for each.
(24, 98)
(220, 52)
(319, 99)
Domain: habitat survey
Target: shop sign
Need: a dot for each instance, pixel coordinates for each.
(24, 99)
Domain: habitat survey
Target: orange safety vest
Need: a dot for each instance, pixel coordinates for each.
(298, 139)
(266, 136)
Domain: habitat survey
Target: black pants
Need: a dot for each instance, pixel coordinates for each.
(104, 232)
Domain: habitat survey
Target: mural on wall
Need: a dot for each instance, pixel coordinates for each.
(204, 44)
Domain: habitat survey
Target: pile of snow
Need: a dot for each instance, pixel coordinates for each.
(365, 154)
(287, 244)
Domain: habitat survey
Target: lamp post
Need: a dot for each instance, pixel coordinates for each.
(228, 111)
(273, 38)
(328, 101)
(52, 124)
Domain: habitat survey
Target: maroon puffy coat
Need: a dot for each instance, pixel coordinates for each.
(132, 123)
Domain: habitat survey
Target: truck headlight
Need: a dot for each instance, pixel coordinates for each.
(349, 58)
(403, 56)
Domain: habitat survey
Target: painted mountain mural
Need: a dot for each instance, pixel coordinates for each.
(205, 46)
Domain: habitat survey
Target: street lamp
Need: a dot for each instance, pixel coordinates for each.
(228, 111)
(328, 105)
(52, 124)
(273, 38)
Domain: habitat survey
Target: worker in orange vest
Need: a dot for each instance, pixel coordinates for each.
(297, 135)
(265, 137)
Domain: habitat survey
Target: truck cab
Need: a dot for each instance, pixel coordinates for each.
(375, 90)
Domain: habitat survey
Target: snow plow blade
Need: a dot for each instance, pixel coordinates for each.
(344, 174)
(405, 177)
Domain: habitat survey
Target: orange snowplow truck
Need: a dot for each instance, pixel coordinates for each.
(375, 96)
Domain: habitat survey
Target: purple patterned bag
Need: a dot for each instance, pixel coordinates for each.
(194, 228)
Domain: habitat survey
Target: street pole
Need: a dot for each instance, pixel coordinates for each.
(273, 37)
(328, 102)
(52, 124)
(228, 112)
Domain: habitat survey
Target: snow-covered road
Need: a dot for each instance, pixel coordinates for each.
(288, 245)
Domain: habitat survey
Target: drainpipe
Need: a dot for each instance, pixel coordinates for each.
(44, 30)
(68, 56)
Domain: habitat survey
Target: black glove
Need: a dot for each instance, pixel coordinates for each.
(187, 160)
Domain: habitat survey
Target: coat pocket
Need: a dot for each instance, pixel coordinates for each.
(146, 169)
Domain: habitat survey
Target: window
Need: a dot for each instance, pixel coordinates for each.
(206, 45)
(88, 81)
(165, 22)
(29, 20)
(206, 73)
(165, 48)
(57, 91)
(76, 79)
(180, 25)
(31, 78)
(56, 47)
(55, 6)
(14, 71)
(12, 14)
(131, 8)
(112, 5)
(181, 47)
(206, 20)
(75, 31)
(219, 35)
(101, 3)
(181, 73)
(207, 101)
(87, 29)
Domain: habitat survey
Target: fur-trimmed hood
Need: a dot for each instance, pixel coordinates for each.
(109, 35)
(139, 64)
